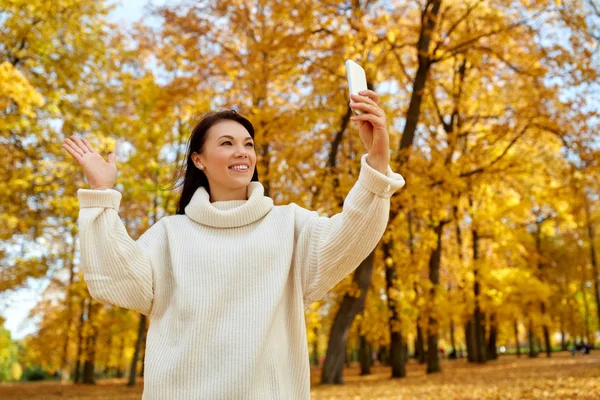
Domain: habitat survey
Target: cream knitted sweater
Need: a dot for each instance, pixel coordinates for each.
(225, 286)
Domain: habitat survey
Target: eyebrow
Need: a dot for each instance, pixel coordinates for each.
(232, 138)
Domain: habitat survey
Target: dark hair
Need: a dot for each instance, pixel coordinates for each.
(193, 177)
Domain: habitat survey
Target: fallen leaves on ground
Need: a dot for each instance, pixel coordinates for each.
(509, 378)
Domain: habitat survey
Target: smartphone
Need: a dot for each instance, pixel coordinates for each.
(357, 79)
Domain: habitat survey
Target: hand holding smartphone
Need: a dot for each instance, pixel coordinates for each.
(357, 80)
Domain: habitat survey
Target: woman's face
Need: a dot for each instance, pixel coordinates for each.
(228, 156)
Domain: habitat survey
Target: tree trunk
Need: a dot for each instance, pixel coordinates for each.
(420, 344)
(538, 342)
(452, 339)
(383, 355)
(478, 317)
(563, 339)
(333, 368)
(518, 347)
(315, 347)
(482, 340)
(419, 341)
(433, 358)
(396, 345)
(593, 259)
(120, 372)
(109, 349)
(428, 23)
(64, 364)
(433, 361)
(586, 310)
(143, 358)
(491, 350)
(541, 275)
(138, 347)
(348, 356)
(470, 340)
(365, 356)
(90, 353)
(546, 332)
(530, 333)
(77, 372)
(397, 356)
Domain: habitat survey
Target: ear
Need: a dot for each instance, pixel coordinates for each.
(197, 159)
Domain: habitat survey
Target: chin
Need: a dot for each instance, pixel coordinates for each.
(239, 183)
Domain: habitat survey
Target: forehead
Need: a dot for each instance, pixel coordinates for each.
(228, 127)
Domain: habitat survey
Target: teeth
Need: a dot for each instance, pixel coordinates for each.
(240, 168)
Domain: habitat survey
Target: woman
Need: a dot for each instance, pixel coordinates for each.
(225, 282)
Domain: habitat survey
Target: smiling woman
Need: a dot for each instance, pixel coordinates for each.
(225, 282)
(219, 142)
(227, 158)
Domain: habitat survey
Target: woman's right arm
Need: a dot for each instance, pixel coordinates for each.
(117, 269)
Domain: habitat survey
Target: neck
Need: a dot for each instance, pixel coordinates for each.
(222, 194)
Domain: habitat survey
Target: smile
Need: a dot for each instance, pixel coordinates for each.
(240, 168)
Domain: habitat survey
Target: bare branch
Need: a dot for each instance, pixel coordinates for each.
(451, 52)
(497, 159)
(455, 25)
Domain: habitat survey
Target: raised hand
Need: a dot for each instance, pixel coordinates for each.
(372, 129)
(99, 173)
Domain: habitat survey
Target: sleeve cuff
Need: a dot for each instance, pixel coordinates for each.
(104, 198)
(378, 183)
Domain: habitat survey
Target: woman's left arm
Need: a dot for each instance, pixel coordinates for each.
(328, 249)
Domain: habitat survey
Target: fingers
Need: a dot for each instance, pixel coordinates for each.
(80, 144)
(77, 147)
(371, 95)
(369, 108)
(74, 153)
(88, 145)
(363, 99)
(112, 158)
(372, 118)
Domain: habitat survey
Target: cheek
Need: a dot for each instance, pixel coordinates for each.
(220, 158)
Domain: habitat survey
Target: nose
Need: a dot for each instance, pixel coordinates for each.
(240, 153)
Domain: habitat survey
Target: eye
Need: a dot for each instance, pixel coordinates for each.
(225, 142)
(250, 144)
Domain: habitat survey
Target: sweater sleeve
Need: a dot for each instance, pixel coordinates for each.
(328, 249)
(117, 269)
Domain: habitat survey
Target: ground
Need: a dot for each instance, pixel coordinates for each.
(509, 378)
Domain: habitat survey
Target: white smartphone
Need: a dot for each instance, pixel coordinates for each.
(357, 79)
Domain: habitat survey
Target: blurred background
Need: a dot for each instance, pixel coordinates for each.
(491, 249)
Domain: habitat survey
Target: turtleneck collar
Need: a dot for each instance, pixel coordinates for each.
(232, 213)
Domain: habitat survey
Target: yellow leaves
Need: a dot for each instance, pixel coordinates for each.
(14, 87)
(391, 36)
(16, 371)
(394, 295)
(353, 291)
(548, 229)
(8, 222)
(21, 269)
